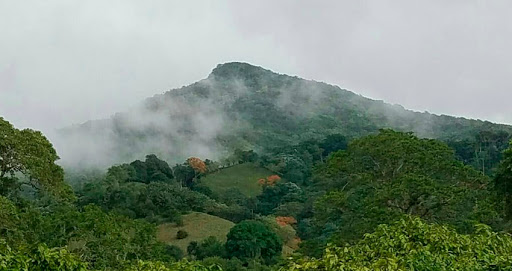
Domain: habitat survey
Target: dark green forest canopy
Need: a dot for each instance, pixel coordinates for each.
(503, 180)
(412, 244)
(382, 177)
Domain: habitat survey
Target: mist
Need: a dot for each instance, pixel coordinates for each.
(64, 63)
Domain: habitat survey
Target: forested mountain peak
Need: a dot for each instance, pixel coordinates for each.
(242, 106)
(239, 70)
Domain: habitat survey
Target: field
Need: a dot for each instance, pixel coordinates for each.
(198, 225)
(244, 177)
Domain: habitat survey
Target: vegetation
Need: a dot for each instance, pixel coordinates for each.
(411, 244)
(503, 181)
(253, 239)
(261, 110)
(209, 247)
(243, 177)
(27, 162)
(39, 258)
(199, 226)
(181, 234)
(305, 180)
(385, 176)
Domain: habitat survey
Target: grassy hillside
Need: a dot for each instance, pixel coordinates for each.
(198, 225)
(244, 177)
(201, 226)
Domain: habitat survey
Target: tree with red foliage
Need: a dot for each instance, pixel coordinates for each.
(270, 180)
(197, 164)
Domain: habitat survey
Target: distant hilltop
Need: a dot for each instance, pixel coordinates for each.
(243, 106)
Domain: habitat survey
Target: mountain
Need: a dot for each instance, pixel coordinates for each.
(244, 106)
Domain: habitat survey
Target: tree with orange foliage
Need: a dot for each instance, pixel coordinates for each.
(273, 179)
(197, 164)
(285, 220)
(270, 180)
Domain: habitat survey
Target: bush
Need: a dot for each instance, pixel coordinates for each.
(181, 234)
(226, 264)
(39, 258)
(174, 252)
(209, 247)
(293, 208)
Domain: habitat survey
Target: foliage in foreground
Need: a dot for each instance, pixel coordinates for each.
(382, 177)
(42, 258)
(38, 259)
(27, 161)
(411, 244)
(183, 265)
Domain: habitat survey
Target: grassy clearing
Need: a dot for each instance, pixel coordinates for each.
(199, 226)
(244, 177)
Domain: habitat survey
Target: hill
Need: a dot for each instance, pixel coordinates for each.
(199, 226)
(247, 107)
(243, 177)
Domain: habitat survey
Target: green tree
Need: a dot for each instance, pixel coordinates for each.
(185, 174)
(251, 239)
(27, 159)
(333, 143)
(107, 239)
(274, 195)
(209, 247)
(9, 221)
(382, 177)
(411, 244)
(183, 265)
(40, 258)
(152, 170)
(503, 180)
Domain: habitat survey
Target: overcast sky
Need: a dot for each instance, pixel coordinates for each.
(65, 62)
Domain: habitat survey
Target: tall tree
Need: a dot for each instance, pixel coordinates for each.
(252, 240)
(27, 158)
(503, 180)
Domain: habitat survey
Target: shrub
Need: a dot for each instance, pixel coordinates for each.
(174, 252)
(181, 234)
(209, 247)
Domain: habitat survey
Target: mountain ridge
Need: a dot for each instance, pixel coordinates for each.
(240, 105)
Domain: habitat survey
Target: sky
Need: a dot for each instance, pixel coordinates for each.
(65, 62)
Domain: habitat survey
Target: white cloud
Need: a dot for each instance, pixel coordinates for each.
(65, 62)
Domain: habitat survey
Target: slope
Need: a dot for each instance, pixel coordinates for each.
(243, 177)
(244, 106)
(199, 226)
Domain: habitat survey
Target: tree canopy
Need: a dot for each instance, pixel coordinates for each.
(251, 240)
(27, 158)
(503, 180)
(412, 244)
(385, 176)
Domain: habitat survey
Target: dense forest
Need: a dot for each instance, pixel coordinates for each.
(302, 176)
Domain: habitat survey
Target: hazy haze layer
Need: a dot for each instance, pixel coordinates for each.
(65, 62)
